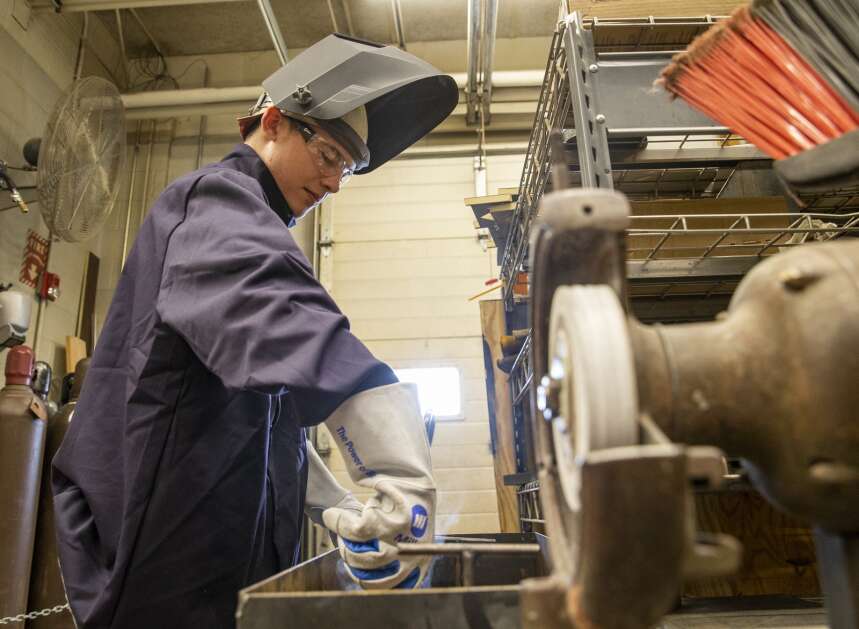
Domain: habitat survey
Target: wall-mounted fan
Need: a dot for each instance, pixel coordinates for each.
(79, 159)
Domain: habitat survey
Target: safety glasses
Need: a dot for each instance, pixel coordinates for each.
(327, 158)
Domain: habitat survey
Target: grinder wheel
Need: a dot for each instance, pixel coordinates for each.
(595, 403)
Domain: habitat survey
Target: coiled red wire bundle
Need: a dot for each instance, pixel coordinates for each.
(745, 75)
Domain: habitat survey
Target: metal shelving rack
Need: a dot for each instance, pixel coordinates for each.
(621, 133)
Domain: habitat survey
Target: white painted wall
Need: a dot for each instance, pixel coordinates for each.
(39, 53)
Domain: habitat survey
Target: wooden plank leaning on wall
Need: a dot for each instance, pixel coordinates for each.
(500, 414)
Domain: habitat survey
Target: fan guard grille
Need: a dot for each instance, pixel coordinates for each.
(81, 158)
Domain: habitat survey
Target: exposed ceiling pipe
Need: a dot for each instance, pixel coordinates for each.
(348, 13)
(249, 93)
(273, 30)
(146, 32)
(333, 17)
(121, 34)
(490, 28)
(398, 23)
(195, 96)
(78, 6)
(519, 107)
(473, 62)
(79, 65)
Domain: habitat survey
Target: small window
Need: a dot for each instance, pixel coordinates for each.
(439, 390)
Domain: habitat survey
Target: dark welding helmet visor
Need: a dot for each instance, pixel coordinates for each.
(404, 97)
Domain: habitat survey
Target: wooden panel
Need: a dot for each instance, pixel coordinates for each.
(417, 268)
(75, 351)
(745, 205)
(500, 414)
(86, 308)
(406, 230)
(656, 8)
(778, 553)
(438, 249)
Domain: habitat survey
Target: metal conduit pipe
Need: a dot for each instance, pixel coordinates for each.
(128, 205)
(473, 56)
(245, 95)
(273, 30)
(488, 53)
(201, 136)
(144, 196)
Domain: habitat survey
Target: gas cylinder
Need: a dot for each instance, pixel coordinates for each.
(22, 445)
(46, 584)
(43, 376)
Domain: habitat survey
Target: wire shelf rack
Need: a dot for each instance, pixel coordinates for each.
(639, 181)
(642, 184)
(647, 33)
(520, 373)
(837, 201)
(682, 265)
(552, 112)
(702, 236)
(530, 512)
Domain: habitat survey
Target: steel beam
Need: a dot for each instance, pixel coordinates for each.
(590, 119)
(78, 6)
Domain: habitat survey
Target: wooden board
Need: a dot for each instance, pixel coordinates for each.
(745, 205)
(656, 8)
(75, 351)
(86, 311)
(778, 550)
(500, 414)
(489, 199)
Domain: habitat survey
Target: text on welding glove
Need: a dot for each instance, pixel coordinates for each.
(380, 433)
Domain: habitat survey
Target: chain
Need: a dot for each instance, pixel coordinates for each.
(48, 611)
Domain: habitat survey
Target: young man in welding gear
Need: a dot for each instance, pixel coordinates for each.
(183, 475)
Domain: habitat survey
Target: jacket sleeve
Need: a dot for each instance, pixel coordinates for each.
(240, 292)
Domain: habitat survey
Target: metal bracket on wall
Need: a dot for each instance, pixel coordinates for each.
(591, 135)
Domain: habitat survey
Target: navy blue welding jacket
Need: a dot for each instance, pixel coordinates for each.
(182, 476)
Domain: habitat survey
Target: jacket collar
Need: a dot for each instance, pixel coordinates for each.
(244, 159)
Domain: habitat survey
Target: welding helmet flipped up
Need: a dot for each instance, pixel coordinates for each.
(403, 97)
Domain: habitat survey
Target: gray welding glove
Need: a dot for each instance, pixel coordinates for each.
(323, 490)
(381, 434)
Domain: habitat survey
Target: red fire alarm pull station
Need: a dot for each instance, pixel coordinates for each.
(49, 286)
